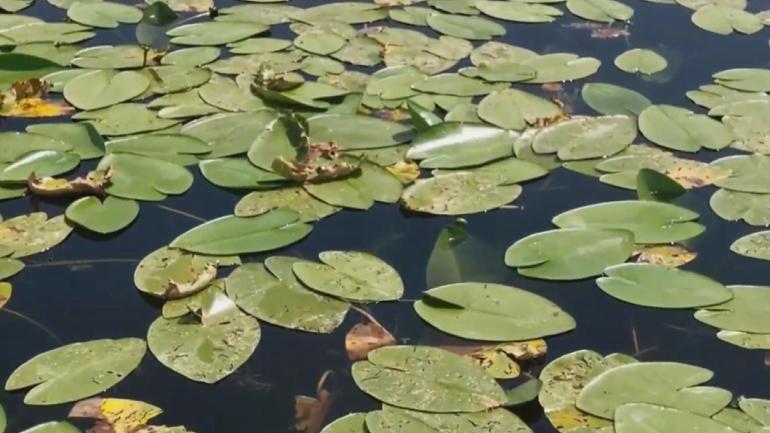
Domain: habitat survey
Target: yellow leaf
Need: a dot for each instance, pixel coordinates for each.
(497, 363)
(667, 255)
(37, 107)
(693, 174)
(126, 416)
(571, 418)
(5, 293)
(405, 171)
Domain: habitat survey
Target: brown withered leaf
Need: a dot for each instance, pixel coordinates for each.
(667, 255)
(501, 361)
(321, 162)
(365, 337)
(177, 290)
(93, 184)
(115, 415)
(310, 412)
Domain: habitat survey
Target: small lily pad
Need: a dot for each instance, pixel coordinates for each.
(108, 216)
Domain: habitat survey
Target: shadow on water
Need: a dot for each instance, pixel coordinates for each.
(83, 289)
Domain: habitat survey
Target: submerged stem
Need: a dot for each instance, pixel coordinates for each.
(33, 322)
(181, 212)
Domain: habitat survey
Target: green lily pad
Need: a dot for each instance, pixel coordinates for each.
(458, 193)
(17, 144)
(754, 245)
(238, 173)
(736, 419)
(83, 138)
(8, 268)
(757, 408)
(519, 11)
(569, 254)
(661, 286)
(15, 67)
(666, 383)
(656, 186)
(511, 72)
(493, 52)
(465, 27)
(14, 6)
(435, 380)
(639, 417)
(322, 43)
(586, 137)
(454, 84)
(391, 419)
(103, 14)
(39, 31)
(292, 198)
(505, 171)
(178, 148)
(346, 12)
(103, 88)
(680, 129)
(258, 46)
(352, 132)
(124, 119)
(229, 95)
(235, 235)
(514, 109)
(724, 20)
(351, 275)
(204, 353)
(53, 427)
(605, 11)
(277, 297)
(560, 67)
(745, 79)
(154, 272)
(492, 312)
(25, 235)
(41, 163)
(650, 222)
(563, 380)
(754, 209)
(229, 133)
(195, 56)
(454, 144)
(108, 216)
(76, 371)
(642, 61)
(110, 57)
(372, 184)
(746, 312)
(214, 33)
(171, 79)
(144, 178)
(749, 173)
(715, 95)
(350, 423)
(265, 14)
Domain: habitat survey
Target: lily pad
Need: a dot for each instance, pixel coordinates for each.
(680, 129)
(41, 163)
(586, 137)
(605, 11)
(76, 371)
(114, 120)
(110, 57)
(650, 222)
(752, 208)
(164, 265)
(214, 33)
(560, 67)
(661, 286)
(103, 88)
(229, 134)
(103, 14)
(236, 235)
(611, 99)
(25, 235)
(454, 144)
(350, 423)
(356, 132)
(492, 312)
(346, 12)
(8, 268)
(746, 312)
(569, 254)
(514, 109)
(639, 417)
(144, 178)
(292, 198)
(351, 275)
(754, 245)
(458, 193)
(427, 379)
(454, 84)
(465, 27)
(745, 79)
(518, 11)
(204, 353)
(195, 56)
(238, 173)
(639, 60)
(666, 383)
(749, 173)
(724, 20)
(372, 184)
(108, 216)
(83, 138)
(391, 419)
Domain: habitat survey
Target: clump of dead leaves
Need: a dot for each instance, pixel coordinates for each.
(29, 98)
(117, 415)
(94, 183)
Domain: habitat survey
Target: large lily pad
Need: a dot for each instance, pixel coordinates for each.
(514, 109)
(352, 132)
(639, 417)
(236, 235)
(164, 265)
(114, 120)
(292, 198)
(746, 312)
(569, 254)
(214, 32)
(458, 193)
(103, 88)
(346, 12)
(359, 191)
(661, 286)
(144, 178)
(229, 134)
(752, 208)
(103, 14)
(428, 379)
(455, 85)
(351, 275)
(108, 216)
(40, 163)
(559, 67)
(650, 222)
(391, 419)
(204, 353)
(76, 371)
(670, 384)
(600, 10)
(454, 144)
(586, 137)
(492, 312)
(25, 235)
(465, 27)
(749, 173)
(725, 20)
(277, 297)
(746, 79)
(611, 99)
(680, 129)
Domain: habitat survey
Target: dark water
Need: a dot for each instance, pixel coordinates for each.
(66, 302)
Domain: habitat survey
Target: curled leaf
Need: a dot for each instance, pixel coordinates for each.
(177, 290)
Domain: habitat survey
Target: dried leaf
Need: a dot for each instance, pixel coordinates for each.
(36, 107)
(365, 337)
(177, 290)
(666, 255)
(310, 412)
(500, 360)
(93, 184)
(405, 171)
(115, 415)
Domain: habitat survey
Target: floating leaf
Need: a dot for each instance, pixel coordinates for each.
(110, 57)
(391, 419)
(454, 84)
(439, 381)
(611, 99)
(680, 129)
(351, 275)
(177, 148)
(667, 383)
(214, 33)
(639, 60)
(749, 173)
(365, 337)
(563, 380)
(113, 120)
(103, 14)
(103, 88)
(15, 67)
(586, 137)
(76, 371)
(724, 20)
(42, 163)
(757, 408)
(480, 311)
(292, 198)
(235, 235)
(458, 193)
(746, 312)
(352, 132)
(518, 11)
(605, 11)
(569, 254)
(656, 186)
(745, 79)
(558, 67)
(350, 423)
(9, 268)
(638, 417)
(25, 235)
(195, 56)
(108, 216)
(661, 286)
(514, 109)
(346, 12)
(650, 222)
(372, 183)
(465, 27)
(144, 178)
(453, 144)
(734, 206)
(204, 353)
(164, 267)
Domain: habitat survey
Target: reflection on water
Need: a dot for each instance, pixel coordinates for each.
(83, 288)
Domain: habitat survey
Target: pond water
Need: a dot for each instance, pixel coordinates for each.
(83, 289)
